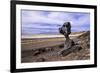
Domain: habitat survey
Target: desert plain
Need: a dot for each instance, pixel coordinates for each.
(45, 48)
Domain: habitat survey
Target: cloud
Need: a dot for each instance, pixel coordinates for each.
(45, 22)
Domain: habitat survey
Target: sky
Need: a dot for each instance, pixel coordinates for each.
(48, 22)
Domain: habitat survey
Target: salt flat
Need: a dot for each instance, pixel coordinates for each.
(47, 36)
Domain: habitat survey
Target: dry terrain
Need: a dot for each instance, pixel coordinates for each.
(47, 49)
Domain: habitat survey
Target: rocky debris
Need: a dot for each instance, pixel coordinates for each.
(49, 49)
(38, 51)
(42, 50)
(84, 39)
(74, 48)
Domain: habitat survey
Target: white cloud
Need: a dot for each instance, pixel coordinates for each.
(36, 17)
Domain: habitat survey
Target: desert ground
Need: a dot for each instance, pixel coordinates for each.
(45, 49)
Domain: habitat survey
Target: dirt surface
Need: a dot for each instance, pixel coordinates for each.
(47, 49)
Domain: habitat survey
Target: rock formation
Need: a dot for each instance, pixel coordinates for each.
(69, 44)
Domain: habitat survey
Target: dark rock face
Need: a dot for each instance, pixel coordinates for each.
(65, 29)
(69, 45)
